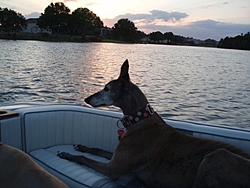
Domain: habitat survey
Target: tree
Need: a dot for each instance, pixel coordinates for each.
(140, 35)
(11, 22)
(169, 36)
(238, 42)
(125, 30)
(83, 21)
(156, 36)
(55, 17)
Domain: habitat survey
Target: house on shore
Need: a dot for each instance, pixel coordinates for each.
(32, 27)
(106, 32)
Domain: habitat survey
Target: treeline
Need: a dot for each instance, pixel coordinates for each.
(11, 21)
(58, 18)
(241, 42)
(166, 38)
(81, 22)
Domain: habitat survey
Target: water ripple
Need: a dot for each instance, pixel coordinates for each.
(185, 83)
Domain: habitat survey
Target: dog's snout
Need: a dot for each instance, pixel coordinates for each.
(87, 100)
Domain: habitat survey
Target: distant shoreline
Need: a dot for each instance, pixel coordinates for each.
(55, 38)
(78, 39)
(69, 38)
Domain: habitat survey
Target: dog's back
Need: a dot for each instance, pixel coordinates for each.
(171, 156)
(18, 170)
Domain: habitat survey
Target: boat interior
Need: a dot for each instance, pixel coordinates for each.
(41, 130)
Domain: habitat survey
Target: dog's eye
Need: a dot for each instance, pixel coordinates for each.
(106, 88)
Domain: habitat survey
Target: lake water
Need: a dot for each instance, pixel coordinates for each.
(185, 83)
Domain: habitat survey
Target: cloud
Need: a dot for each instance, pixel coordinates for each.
(92, 4)
(218, 30)
(202, 29)
(149, 18)
(158, 20)
(154, 15)
(167, 16)
(216, 5)
(33, 15)
(132, 17)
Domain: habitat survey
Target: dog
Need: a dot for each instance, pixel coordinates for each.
(18, 170)
(159, 155)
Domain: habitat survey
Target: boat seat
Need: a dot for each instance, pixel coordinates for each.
(76, 175)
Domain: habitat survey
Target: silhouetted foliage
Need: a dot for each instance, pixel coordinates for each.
(83, 21)
(241, 42)
(11, 21)
(55, 17)
(156, 36)
(125, 30)
(140, 35)
(169, 36)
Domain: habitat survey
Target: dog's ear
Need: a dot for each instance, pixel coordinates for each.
(124, 69)
(124, 76)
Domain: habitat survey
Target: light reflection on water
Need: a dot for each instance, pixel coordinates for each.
(185, 83)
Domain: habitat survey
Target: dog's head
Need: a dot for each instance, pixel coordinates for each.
(113, 92)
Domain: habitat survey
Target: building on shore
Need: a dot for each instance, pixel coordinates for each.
(32, 27)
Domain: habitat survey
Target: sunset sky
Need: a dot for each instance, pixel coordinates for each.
(199, 19)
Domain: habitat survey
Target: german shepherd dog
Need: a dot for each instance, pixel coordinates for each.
(159, 155)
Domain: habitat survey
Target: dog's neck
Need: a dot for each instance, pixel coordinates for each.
(141, 114)
(134, 100)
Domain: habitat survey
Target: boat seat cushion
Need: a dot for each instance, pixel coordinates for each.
(76, 175)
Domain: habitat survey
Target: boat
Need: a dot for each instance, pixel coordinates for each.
(43, 129)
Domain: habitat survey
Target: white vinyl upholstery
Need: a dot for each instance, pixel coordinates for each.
(76, 175)
(50, 127)
(231, 135)
(10, 132)
(48, 130)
